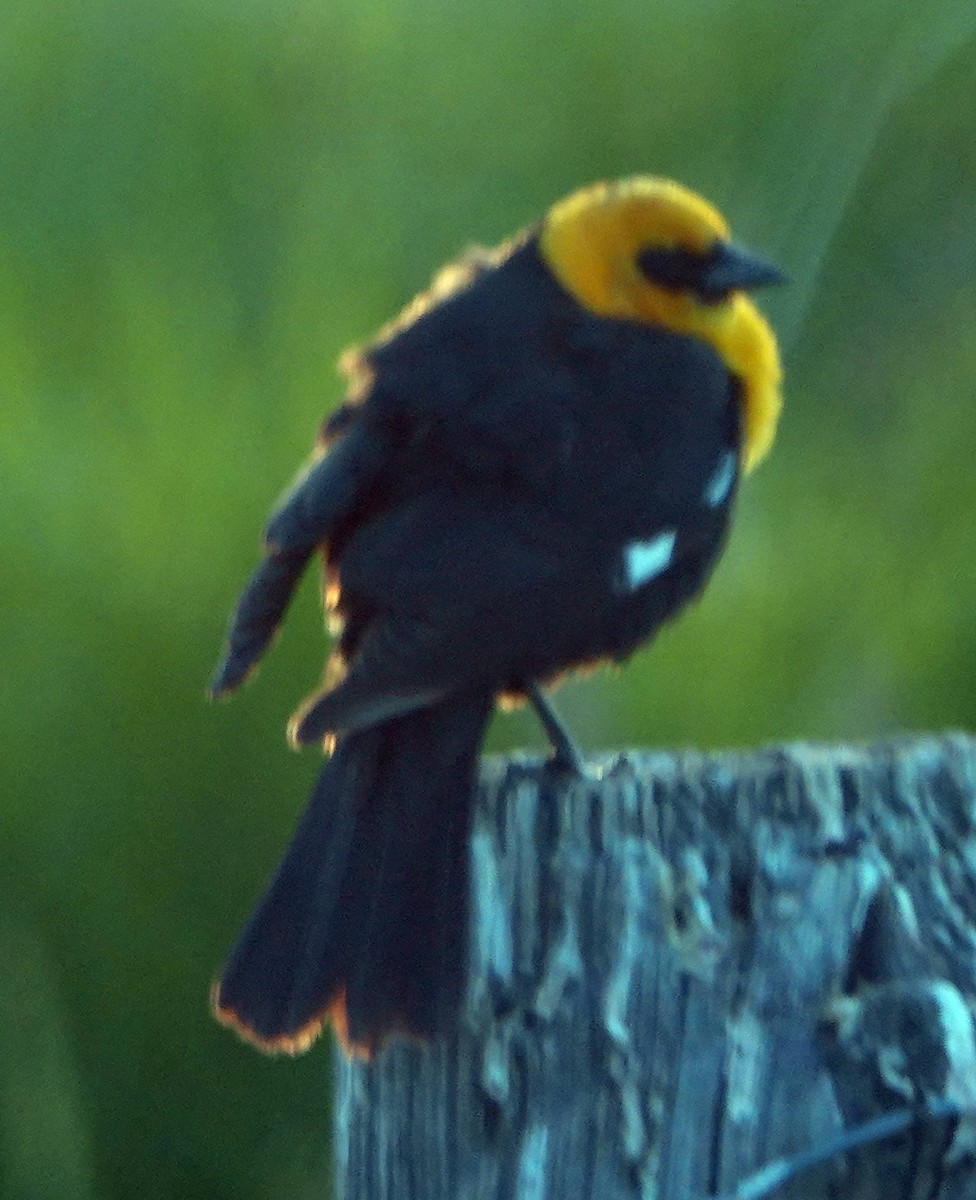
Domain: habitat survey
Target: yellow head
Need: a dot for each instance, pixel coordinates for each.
(646, 249)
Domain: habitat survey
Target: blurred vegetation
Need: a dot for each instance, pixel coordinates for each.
(200, 205)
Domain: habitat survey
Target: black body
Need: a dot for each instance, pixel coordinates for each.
(474, 506)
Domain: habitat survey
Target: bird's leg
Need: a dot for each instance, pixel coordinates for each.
(567, 756)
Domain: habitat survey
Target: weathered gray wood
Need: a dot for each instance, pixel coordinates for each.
(688, 967)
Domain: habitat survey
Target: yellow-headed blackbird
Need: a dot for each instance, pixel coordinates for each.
(534, 469)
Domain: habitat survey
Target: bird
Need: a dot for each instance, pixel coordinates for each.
(533, 469)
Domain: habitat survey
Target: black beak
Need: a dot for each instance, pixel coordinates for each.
(731, 268)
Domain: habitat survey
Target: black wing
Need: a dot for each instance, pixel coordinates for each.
(307, 517)
(445, 583)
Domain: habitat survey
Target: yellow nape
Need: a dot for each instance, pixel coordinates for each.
(591, 241)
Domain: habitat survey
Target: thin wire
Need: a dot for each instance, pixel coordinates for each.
(781, 1171)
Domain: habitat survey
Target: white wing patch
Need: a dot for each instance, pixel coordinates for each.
(720, 484)
(644, 561)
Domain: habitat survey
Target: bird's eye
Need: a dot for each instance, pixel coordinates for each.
(682, 270)
(671, 267)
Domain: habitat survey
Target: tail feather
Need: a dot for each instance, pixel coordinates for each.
(366, 918)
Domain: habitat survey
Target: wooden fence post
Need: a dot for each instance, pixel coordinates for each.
(689, 967)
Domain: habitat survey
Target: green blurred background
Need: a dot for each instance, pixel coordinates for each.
(200, 206)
